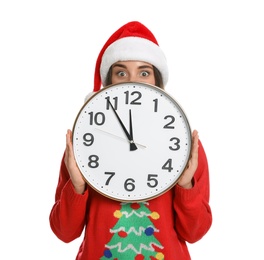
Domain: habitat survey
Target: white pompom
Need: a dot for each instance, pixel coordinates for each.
(88, 96)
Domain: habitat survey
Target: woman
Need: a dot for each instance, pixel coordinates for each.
(180, 215)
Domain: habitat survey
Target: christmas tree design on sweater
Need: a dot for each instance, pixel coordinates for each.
(134, 234)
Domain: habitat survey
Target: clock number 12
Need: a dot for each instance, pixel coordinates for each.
(135, 101)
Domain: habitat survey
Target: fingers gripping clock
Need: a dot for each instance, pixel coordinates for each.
(131, 141)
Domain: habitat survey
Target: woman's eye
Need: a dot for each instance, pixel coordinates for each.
(121, 74)
(144, 73)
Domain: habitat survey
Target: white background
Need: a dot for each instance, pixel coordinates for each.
(215, 53)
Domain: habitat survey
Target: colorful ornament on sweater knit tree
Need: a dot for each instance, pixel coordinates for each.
(134, 234)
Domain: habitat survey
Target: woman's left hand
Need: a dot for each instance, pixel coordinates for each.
(185, 180)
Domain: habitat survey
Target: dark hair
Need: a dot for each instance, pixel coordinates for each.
(157, 76)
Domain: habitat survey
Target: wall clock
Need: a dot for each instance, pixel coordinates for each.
(131, 141)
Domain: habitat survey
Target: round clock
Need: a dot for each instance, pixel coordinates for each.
(131, 141)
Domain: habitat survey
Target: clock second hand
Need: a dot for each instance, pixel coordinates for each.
(143, 146)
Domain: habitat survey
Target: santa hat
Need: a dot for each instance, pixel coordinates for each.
(132, 41)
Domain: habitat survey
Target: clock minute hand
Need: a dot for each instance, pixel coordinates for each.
(133, 146)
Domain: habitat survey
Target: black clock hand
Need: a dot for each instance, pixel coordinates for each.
(131, 130)
(133, 147)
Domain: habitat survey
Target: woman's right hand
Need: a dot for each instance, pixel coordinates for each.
(75, 174)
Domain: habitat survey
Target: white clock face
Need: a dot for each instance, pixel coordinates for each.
(140, 157)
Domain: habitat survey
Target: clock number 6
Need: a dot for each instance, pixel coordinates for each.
(129, 184)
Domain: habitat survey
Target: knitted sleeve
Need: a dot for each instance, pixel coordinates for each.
(193, 213)
(67, 216)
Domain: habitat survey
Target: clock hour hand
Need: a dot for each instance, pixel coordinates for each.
(131, 129)
(133, 146)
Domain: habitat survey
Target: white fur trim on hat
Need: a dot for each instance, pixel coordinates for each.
(88, 96)
(134, 48)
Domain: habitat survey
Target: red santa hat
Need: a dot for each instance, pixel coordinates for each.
(132, 41)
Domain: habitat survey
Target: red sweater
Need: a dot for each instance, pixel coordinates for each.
(157, 229)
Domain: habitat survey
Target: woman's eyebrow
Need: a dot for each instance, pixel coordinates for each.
(145, 67)
(119, 65)
(139, 67)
